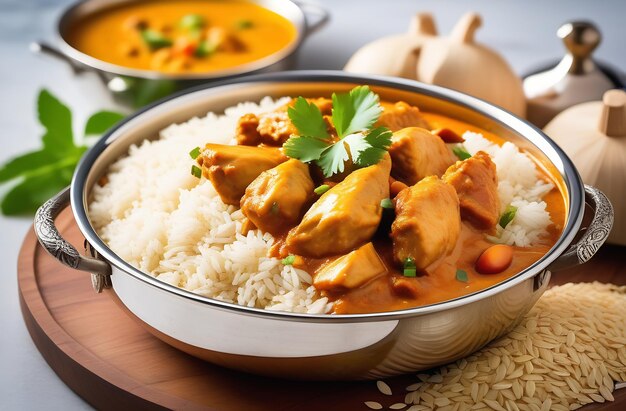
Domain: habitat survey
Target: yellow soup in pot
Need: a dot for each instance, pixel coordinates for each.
(178, 37)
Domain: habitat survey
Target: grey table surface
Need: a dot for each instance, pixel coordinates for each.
(523, 31)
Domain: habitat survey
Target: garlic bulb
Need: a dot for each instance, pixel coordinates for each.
(594, 136)
(455, 61)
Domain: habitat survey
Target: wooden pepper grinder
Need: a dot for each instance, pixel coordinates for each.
(577, 78)
(593, 134)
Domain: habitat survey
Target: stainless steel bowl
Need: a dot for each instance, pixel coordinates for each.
(305, 346)
(136, 88)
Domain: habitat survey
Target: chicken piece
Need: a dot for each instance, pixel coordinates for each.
(273, 128)
(405, 287)
(274, 201)
(247, 133)
(417, 153)
(232, 168)
(427, 223)
(401, 115)
(476, 183)
(351, 270)
(344, 217)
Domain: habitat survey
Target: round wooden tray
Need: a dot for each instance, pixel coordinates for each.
(113, 363)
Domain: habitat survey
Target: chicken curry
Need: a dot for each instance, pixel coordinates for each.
(178, 37)
(374, 199)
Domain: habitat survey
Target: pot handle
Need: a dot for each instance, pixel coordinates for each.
(315, 16)
(55, 245)
(41, 47)
(593, 236)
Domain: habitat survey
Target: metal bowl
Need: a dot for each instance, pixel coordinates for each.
(357, 346)
(136, 88)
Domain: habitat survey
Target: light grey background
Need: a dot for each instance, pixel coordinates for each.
(523, 31)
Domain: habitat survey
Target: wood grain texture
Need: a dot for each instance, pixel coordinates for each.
(113, 363)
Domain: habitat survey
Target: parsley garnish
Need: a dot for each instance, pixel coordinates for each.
(155, 40)
(38, 175)
(461, 153)
(507, 216)
(461, 276)
(353, 116)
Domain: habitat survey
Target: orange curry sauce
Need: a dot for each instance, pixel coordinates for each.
(439, 282)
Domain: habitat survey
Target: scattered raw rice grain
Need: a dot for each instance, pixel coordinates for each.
(373, 405)
(568, 352)
(397, 406)
(383, 387)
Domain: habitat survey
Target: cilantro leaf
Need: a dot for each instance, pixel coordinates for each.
(38, 175)
(333, 158)
(101, 122)
(355, 111)
(379, 141)
(308, 119)
(305, 148)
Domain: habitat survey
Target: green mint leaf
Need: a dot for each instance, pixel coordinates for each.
(507, 216)
(56, 117)
(304, 148)
(101, 121)
(308, 119)
(36, 188)
(461, 276)
(461, 153)
(18, 165)
(333, 158)
(155, 40)
(355, 111)
(289, 260)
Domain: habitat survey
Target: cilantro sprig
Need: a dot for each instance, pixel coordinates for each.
(353, 116)
(36, 176)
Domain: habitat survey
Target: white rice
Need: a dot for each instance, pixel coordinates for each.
(155, 215)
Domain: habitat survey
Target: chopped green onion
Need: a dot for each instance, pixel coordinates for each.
(204, 49)
(289, 260)
(507, 216)
(192, 22)
(386, 203)
(195, 171)
(194, 153)
(244, 24)
(321, 189)
(461, 153)
(461, 276)
(155, 40)
(275, 208)
(410, 270)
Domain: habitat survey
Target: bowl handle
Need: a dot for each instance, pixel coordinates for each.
(315, 17)
(55, 245)
(593, 236)
(41, 47)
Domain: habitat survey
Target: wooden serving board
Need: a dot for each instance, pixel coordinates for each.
(113, 363)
